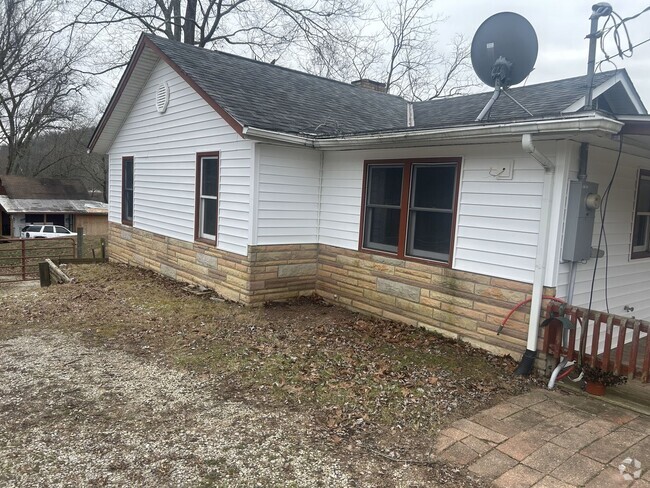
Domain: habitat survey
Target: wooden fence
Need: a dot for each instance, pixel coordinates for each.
(612, 342)
(19, 258)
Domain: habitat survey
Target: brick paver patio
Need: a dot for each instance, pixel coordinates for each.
(551, 439)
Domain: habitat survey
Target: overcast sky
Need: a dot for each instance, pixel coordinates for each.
(561, 27)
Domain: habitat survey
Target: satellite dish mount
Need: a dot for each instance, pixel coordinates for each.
(504, 51)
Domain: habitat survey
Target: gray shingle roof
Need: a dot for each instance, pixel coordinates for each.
(266, 96)
(543, 99)
(271, 97)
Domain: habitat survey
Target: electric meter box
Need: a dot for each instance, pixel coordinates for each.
(582, 205)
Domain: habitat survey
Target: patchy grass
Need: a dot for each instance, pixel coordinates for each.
(359, 378)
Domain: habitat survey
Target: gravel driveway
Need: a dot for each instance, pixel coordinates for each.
(125, 378)
(75, 416)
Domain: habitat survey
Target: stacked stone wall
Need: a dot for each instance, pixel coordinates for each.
(458, 304)
(266, 273)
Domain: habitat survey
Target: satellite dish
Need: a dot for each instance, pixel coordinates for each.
(504, 51)
(509, 36)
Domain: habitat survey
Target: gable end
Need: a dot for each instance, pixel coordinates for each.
(141, 64)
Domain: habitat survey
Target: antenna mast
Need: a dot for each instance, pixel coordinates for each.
(598, 10)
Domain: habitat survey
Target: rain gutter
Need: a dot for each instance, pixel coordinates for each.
(587, 123)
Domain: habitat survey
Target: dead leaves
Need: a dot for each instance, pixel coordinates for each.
(353, 374)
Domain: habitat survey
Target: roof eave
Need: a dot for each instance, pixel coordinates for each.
(591, 122)
(636, 124)
(116, 94)
(625, 80)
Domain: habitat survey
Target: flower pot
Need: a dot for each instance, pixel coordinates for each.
(595, 388)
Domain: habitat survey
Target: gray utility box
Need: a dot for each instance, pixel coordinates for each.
(582, 205)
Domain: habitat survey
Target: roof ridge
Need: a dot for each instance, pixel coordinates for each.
(155, 38)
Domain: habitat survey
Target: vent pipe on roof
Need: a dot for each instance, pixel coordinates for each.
(410, 115)
(599, 10)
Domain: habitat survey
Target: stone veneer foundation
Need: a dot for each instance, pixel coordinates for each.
(458, 304)
(267, 273)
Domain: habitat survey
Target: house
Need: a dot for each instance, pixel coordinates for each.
(25, 200)
(266, 183)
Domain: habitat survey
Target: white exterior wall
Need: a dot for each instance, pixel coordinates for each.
(497, 220)
(288, 181)
(628, 279)
(164, 148)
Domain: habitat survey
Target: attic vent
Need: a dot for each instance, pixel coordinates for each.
(162, 97)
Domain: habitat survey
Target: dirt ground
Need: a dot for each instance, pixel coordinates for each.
(125, 378)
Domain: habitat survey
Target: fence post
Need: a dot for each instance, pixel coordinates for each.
(80, 242)
(103, 244)
(23, 259)
(44, 274)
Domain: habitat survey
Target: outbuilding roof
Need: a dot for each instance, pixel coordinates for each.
(23, 194)
(48, 206)
(253, 94)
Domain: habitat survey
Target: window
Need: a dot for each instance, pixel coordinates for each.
(127, 190)
(408, 208)
(207, 185)
(35, 218)
(641, 235)
(49, 229)
(62, 230)
(383, 207)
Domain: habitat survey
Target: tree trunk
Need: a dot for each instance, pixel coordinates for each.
(189, 27)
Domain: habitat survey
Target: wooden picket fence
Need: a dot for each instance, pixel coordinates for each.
(612, 342)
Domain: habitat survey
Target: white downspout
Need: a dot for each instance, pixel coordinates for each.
(528, 361)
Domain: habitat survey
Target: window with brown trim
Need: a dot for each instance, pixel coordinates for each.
(641, 234)
(207, 196)
(127, 190)
(408, 208)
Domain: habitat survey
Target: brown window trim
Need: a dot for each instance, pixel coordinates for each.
(638, 254)
(404, 205)
(197, 197)
(126, 221)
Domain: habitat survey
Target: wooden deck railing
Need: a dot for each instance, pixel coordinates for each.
(615, 343)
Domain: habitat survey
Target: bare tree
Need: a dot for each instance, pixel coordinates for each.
(63, 154)
(402, 51)
(265, 27)
(40, 85)
(416, 68)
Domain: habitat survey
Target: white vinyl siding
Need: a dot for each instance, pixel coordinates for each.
(497, 219)
(288, 182)
(628, 280)
(164, 148)
(341, 200)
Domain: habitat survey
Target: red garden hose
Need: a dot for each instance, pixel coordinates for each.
(520, 304)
